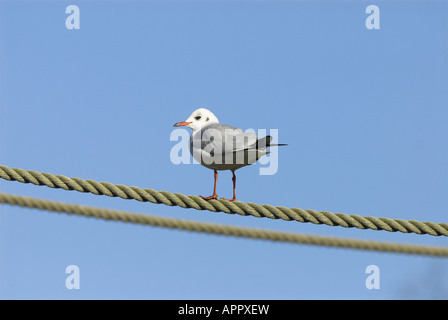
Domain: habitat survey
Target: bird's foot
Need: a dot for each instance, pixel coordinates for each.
(233, 199)
(213, 196)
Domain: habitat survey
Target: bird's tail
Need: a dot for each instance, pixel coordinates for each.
(263, 143)
(277, 144)
(269, 144)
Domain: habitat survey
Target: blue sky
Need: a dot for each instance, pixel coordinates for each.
(364, 113)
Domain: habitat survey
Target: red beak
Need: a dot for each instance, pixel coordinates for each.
(181, 124)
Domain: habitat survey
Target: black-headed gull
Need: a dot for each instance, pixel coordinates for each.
(223, 147)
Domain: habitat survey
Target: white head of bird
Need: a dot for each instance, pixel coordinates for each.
(198, 119)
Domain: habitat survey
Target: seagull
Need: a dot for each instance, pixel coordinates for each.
(222, 147)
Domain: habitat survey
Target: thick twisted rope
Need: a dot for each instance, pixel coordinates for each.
(241, 208)
(218, 229)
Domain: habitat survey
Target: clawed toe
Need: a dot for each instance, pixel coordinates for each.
(214, 196)
(233, 199)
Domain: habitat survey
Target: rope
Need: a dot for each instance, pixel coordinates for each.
(236, 207)
(217, 229)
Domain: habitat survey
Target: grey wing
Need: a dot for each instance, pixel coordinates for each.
(221, 139)
(260, 144)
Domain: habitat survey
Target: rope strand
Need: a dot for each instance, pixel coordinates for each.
(236, 207)
(218, 229)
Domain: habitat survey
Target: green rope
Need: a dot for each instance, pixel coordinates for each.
(241, 208)
(217, 229)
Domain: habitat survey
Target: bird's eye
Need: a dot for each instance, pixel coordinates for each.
(198, 118)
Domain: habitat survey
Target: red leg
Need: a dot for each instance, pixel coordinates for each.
(214, 195)
(234, 187)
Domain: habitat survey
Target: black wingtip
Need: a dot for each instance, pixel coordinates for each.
(278, 145)
(275, 144)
